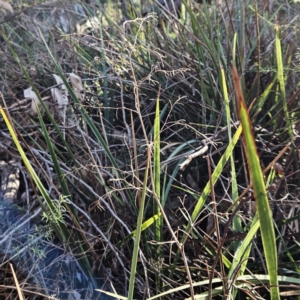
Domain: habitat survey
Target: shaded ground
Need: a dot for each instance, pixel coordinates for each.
(96, 187)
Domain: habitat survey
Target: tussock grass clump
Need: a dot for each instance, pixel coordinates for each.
(151, 166)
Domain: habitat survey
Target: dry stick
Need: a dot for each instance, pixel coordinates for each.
(101, 177)
(41, 168)
(101, 233)
(67, 170)
(123, 113)
(241, 203)
(17, 282)
(6, 235)
(136, 87)
(179, 245)
(264, 172)
(190, 157)
(17, 133)
(107, 207)
(191, 154)
(137, 106)
(136, 164)
(143, 262)
(29, 292)
(18, 13)
(216, 221)
(135, 83)
(22, 250)
(226, 228)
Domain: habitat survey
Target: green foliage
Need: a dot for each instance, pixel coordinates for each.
(148, 165)
(59, 212)
(260, 193)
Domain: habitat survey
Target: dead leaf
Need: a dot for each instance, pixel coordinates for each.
(60, 82)
(30, 94)
(77, 86)
(6, 6)
(60, 94)
(278, 168)
(60, 97)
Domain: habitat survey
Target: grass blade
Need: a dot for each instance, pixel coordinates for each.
(158, 225)
(262, 203)
(138, 232)
(156, 171)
